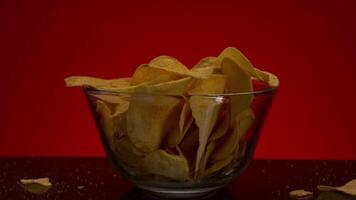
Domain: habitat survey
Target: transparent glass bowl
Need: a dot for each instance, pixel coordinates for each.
(120, 115)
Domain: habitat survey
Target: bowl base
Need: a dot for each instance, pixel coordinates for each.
(199, 193)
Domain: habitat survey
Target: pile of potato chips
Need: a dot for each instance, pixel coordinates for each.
(173, 122)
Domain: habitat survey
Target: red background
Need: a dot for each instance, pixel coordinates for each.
(310, 45)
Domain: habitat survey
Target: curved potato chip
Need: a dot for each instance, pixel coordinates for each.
(213, 85)
(112, 98)
(230, 142)
(171, 64)
(222, 128)
(129, 155)
(73, 81)
(112, 124)
(36, 186)
(168, 165)
(348, 188)
(235, 73)
(201, 73)
(145, 73)
(209, 62)
(176, 87)
(209, 149)
(205, 112)
(176, 137)
(246, 65)
(218, 165)
(150, 118)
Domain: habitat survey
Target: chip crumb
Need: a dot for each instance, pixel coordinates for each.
(36, 186)
(80, 187)
(300, 194)
(349, 188)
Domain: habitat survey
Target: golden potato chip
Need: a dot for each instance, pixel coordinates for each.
(184, 123)
(234, 73)
(230, 142)
(213, 85)
(113, 99)
(36, 186)
(167, 165)
(150, 118)
(145, 73)
(171, 64)
(218, 165)
(247, 66)
(114, 85)
(222, 128)
(205, 111)
(73, 81)
(129, 155)
(209, 149)
(113, 124)
(209, 62)
(176, 87)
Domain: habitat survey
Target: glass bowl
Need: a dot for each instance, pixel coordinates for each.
(134, 125)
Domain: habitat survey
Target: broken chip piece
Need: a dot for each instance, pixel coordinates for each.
(36, 186)
(300, 194)
(348, 188)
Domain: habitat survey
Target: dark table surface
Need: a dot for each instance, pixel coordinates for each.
(93, 178)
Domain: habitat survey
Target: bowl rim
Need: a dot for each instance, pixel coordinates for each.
(267, 90)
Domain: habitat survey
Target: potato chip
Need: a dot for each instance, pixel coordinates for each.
(348, 188)
(167, 165)
(129, 155)
(205, 112)
(73, 81)
(36, 186)
(213, 85)
(207, 62)
(222, 128)
(230, 142)
(113, 124)
(176, 87)
(171, 64)
(218, 165)
(112, 98)
(209, 149)
(233, 73)
(184, 123)
(150, 118)
(146, 74)
(247, 66)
